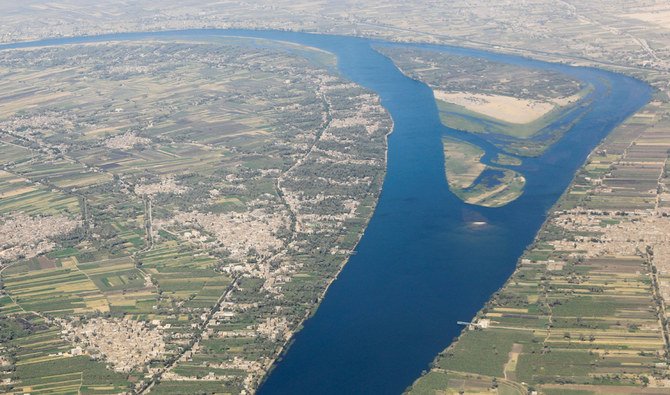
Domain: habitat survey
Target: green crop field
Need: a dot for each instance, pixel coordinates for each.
(172, 190)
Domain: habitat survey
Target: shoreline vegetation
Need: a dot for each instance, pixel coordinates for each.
(506, 160)
(206, 197)
(519, 118)
(640, 52)
(475, 182)
(585, 310)
(521, 110)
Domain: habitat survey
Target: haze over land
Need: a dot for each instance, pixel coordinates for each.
(617, 32)
(172, 210)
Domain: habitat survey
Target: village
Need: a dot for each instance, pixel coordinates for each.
(591, 292)
(162, 241)
(171, 252)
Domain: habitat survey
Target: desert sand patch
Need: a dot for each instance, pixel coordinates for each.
(505, 108)
(660, 16)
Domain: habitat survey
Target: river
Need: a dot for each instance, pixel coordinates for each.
(421, 265)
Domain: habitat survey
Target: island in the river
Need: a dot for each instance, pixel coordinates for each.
(584, 313)
(475, 182)
(585, 310)
(520, 110)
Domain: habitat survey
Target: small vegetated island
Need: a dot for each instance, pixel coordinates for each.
(477, 183)
(522, 111)
(584, 311)
(173, 210)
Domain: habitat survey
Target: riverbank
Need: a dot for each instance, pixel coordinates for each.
(585, 309)
(265, 182)
(350, 320)
(386, 316)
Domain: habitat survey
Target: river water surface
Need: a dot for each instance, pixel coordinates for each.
(422, 264)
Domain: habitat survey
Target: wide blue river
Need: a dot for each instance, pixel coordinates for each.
(421, 264)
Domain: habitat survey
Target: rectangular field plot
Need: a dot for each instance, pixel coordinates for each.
(184, 274)
(11, 153)
(20, 194)
(597, 320)
(69, 287)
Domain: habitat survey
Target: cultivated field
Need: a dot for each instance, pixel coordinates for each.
(171, 211)
(585, 310)
(622, 193)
